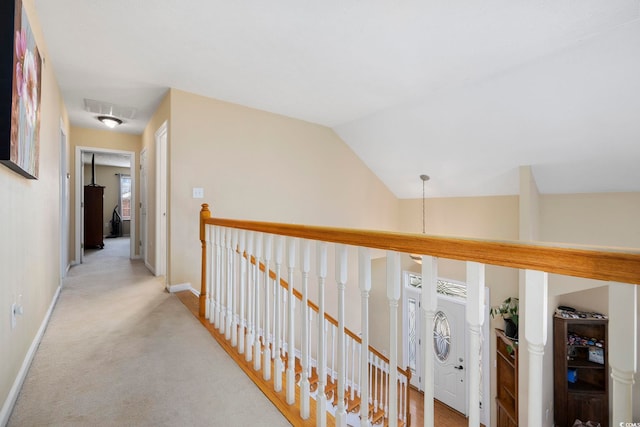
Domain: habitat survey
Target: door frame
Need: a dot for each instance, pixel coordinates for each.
(161, 213)
(144, 208)
(79, 197)
(64, 203)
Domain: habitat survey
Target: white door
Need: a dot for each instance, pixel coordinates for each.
(143, 207)
(161, 200)
(450, 367)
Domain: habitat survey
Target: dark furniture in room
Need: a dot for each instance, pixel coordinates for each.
(581, 381)
(93, 213)
(506, 380)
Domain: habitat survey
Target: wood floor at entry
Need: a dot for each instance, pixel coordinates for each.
(444, 416)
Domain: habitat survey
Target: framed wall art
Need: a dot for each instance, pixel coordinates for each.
(20, 89)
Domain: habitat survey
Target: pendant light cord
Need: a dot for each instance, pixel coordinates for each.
(424, 179)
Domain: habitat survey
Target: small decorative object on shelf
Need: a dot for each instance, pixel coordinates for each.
(509, 312)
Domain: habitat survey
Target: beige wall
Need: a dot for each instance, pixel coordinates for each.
(263, 166)
(30, 230)
(109, 140)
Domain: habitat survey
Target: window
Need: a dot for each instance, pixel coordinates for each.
(125, 196)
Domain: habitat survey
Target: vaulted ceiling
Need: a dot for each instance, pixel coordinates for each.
(465, 91)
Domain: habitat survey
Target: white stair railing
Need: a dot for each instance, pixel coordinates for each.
(249, 304)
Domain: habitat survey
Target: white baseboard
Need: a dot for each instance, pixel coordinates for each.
(26, 363)
(194, 291)
(179, 287)
(150, 268)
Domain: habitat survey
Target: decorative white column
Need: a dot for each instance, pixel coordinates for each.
(277, 382)
(305, 266)
(623, 336)
(393, 294)
(364, 277)
(250, 299)
(321, 407)
(429, 307)
(257, 347)
(475, 319)
(266, 362)
(535, 332)
(341, 280)
(291, 350)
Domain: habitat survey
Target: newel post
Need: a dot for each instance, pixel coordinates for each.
(205, 214)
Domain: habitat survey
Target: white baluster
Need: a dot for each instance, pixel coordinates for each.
(266, 363)
(334, 333)
(234, 284)
(353, 367)
(225, 242)
(257, 347)
(341, 281)
(305, 266)
(291, 354)
(277, 383)
(364, 281)
(242, 323)
(386, 389)
(321, 413)
(250, 299)
(229, 317)
(218, 276)
(393, 294)
(208, 234)
(376, 377)
(429, 307)
(371, 372)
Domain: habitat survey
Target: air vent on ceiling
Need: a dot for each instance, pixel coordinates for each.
(108, 109)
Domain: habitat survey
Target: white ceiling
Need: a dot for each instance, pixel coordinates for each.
(465, 91)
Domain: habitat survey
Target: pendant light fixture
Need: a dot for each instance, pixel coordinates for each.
(418, 258)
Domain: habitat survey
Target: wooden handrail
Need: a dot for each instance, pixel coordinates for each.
(608, 264)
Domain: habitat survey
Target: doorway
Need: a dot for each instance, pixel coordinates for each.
(105, 157)
(449, 343)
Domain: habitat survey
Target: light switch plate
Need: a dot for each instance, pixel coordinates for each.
(198, 193)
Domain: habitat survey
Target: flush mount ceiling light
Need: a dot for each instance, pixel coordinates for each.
(418, 258)
(109, 121)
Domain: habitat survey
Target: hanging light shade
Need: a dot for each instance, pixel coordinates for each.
(110, 121)
(418, 258)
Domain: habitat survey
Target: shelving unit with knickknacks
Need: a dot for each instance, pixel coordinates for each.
(506, 380)
(580, 368)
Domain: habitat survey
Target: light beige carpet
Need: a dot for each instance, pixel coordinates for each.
(120, 351)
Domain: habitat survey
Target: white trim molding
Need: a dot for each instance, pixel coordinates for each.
(179, 287)
(7, 407)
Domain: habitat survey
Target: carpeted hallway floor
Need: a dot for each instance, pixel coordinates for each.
(120, 351)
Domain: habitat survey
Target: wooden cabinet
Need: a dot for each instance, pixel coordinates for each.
(93, 216)
(581, 381)
(506, 380)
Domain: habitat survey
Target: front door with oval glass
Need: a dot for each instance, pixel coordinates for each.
(447, 345)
